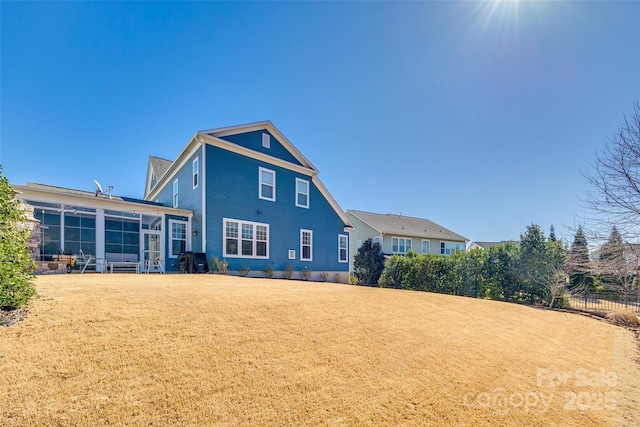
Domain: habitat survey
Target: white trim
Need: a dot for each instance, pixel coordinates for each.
(346, 237)
(195, 174)
(406, 249)
(187, 243)
(428, 241)
(302, 245)
(260, 184)
(292, 254)
(298, 180)
(203, 224)
(254, 239)
(175, 193)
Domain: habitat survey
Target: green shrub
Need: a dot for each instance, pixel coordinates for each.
(16, 265)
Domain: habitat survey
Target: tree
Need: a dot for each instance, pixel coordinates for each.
(16, 265)
(540, 259)
(368, 263)
(552, 233)
(617, 263)
(579, 266)
(615, 177)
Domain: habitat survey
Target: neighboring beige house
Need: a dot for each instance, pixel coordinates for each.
(397, 234)
(481, 245)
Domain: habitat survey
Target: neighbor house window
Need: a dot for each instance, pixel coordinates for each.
(426, 246)
(343, 248)
(178, 237)
(196, 172)
(266, 140)
(267, 184)
(302, 193)
(306, 245)
(245, 239)
(400, 245)
(175, 193)
(447, 248)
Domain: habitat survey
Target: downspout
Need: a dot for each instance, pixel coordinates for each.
(203, 226)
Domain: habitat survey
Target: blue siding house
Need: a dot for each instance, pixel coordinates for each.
(256, 202)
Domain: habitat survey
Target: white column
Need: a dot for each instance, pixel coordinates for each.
(100, 241)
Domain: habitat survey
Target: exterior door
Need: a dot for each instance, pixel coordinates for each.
(152, 250)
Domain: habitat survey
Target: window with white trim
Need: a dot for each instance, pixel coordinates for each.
(426, 246)
(302, 193)
(196, 172)
(447, 248)
(267, 184)
(306, 245)
(400, 245)
(343, 251)
(178, 237)
(175, 193)
(245, 239)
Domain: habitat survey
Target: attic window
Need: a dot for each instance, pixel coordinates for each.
(266, 140)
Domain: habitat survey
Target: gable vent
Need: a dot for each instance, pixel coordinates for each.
(266, 140)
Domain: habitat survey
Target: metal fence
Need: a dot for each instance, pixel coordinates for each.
(607, 301)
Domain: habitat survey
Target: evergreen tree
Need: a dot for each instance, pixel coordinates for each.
(552, 234)
(615, 272)
(368, 263)
(16, 265)
(579, 266)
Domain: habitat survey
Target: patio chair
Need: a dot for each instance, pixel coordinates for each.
(86, 260)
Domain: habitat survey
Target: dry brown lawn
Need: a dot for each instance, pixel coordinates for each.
(215, 350)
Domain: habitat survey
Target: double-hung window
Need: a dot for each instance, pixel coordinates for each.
(175, 193)
(178, 237)
(343, 250)
(245, 239)
(426, 246)
(196, 172)
(267, 184)
(302, 193)
(306, 245)
(400, 245)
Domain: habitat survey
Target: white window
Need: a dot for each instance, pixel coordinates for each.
(196, 172)
(302, 193)
(306, 245)
(267, 185)
(400, 245)
(426, 246)
(245, 239)
(175, 193)
(266, 140)
(178, 243)
(358, 244)
(447, 248)
(343, 252)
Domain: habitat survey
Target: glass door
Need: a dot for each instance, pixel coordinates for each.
(152, 251)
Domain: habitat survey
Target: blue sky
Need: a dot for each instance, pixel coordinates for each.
(477, 115)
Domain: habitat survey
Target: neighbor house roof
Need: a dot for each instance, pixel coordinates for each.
(407, 226)
(484, 245)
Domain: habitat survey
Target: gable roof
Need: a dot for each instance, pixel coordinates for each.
(484, 245)
(406, 226)
(157, 168)
(213, 137)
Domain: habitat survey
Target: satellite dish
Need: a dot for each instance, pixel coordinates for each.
(98, 188)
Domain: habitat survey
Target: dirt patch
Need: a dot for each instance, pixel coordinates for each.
(202, 349)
